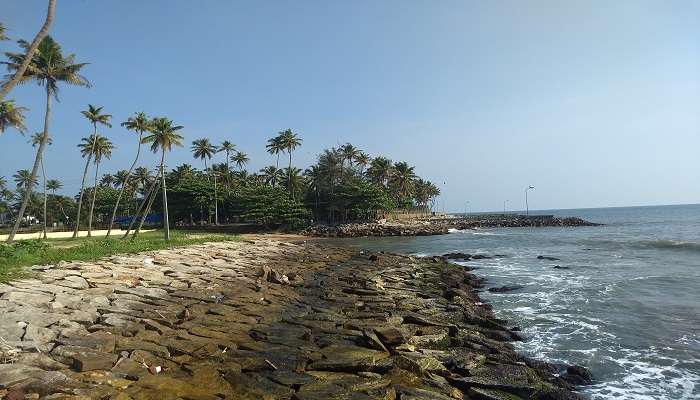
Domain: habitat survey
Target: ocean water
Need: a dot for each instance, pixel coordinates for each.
(626, 304)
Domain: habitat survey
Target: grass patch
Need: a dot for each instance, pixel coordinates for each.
(24, 253)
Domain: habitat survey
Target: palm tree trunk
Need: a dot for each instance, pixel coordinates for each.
(94, 196)
(147, 210)
(121, 192)
(35, 168)
(289, 174)
(80, 199)
(216, 203)
(166, 223)
(278, 160)
(141, 207)
(30, 52)
(43, 174)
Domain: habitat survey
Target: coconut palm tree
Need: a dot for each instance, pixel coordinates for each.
(271, 175)
(102, 148)
(380, 170)
(164, 136)
(121, 178)
(274, 146)
(348, 153)
(95, 116)
(203, 150)
(402, 180)
(143, 177)
(241, 159)
(289, 142)
(48, 67)
(12, 116)
(139, 123)
(36, 141)
(227, 147)
(24, 179)
(107, 180)
(24, 61)
(3, 36)
(361, 160)
(295, 181)
(53, 185)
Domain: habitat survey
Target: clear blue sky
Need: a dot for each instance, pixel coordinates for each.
(596, 103)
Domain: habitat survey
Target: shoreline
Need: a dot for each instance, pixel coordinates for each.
(440, 226)
(263, 317)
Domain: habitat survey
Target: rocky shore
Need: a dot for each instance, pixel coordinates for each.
(439, 226)
(263, 320)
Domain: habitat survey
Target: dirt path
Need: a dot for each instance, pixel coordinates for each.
(259, 319)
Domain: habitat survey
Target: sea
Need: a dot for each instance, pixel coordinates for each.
(625, 301)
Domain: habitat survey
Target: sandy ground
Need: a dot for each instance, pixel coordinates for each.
(63, 235)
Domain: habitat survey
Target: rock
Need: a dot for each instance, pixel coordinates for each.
(457, 256)
(12, 374)
(372, 341)
(560, 267)
(373, 257)
(547, 258)
(84, 359)
(419, 363)
(504, 289)
(390, 336)
(577, 375)
(480, 257)
(343, 358)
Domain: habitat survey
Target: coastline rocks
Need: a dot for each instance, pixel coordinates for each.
(439, 226)
(548, 258)
(396, 327)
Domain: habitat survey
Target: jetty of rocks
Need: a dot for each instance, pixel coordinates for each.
(440, 226)
(262, 319)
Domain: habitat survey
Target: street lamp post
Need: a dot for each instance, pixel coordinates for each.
(527, 207)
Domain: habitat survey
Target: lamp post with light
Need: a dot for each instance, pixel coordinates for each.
(527, 207)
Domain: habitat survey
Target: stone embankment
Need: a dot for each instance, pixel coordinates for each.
(440, 226)
(262, 320)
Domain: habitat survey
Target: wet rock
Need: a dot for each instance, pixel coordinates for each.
(547, 258)
(504, 289)
(456, 256)
(560, 267)
(577, 375)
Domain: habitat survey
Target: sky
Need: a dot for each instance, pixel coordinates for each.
(594, 103)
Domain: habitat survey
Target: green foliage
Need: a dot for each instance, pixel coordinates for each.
(267, 205)
(38, 252)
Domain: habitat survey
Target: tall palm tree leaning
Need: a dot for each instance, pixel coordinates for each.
(35, 141)
(102, 148)
(227, 147)
(24, 61)
(11, 116)
(95, 116)
(48, 66)
(289, 141)
(163, 136)
(139, 123)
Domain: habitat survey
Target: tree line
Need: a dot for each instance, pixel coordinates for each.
(344, 184)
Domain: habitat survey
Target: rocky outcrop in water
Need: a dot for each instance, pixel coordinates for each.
(263, 320)
(438, 226)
